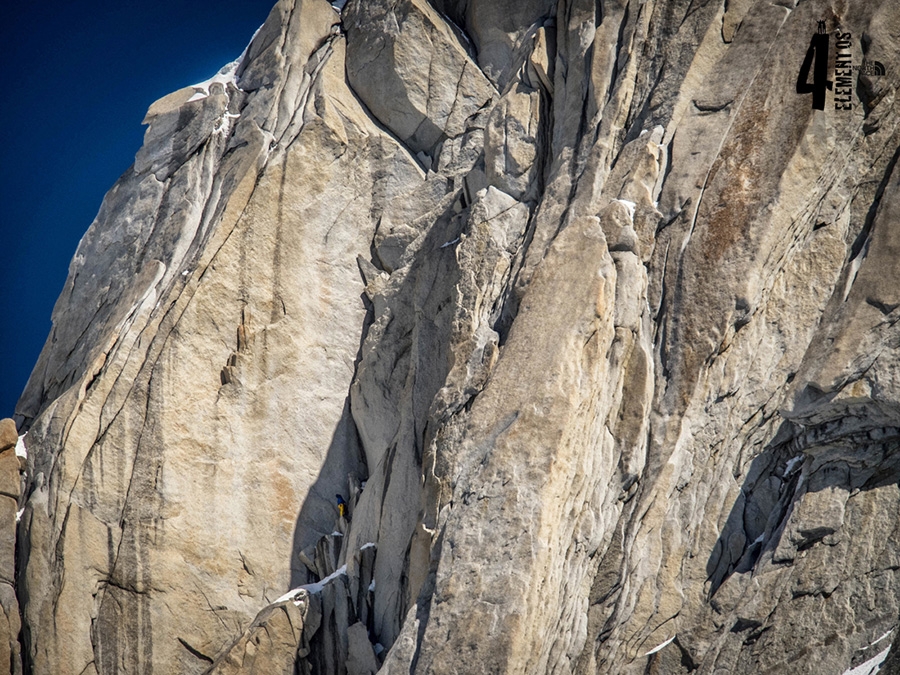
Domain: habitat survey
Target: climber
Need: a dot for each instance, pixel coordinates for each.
(342, 506)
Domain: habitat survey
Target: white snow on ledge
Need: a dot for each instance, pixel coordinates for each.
(659, 647)
(225, 76)
(881, 638)
(20, 447)
(871, 666)
(628, 205)
(792, 462)
(314, 588)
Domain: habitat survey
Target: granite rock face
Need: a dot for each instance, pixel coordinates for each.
(585, 313)
(10, 493)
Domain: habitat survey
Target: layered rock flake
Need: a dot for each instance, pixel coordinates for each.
(482, 336)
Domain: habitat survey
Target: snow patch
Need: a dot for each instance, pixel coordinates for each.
(225, 76)
(313, 588)
(371, 544)
(20, 512)
(338, 5)
(792, 462)
(450, 243)
(372, 586)
(628, 205)
(659, 647)
(871, 666)
(20, 447)
(882, 637)
(854, 270)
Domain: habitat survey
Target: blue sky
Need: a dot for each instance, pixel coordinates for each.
(77, 80)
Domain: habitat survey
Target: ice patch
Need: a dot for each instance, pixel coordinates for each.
(628, 205)
(378, 648)
(450, 243)
(338, 5)
(659, 647)
(313, 588)
(871, 666)
(20, 447)
(372, 586)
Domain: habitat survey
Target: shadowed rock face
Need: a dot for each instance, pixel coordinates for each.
(585, 314)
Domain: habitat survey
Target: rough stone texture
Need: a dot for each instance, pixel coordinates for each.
(412, 71)
(10, 492)
(8, 434)
(195, 422)
(270, 646)
(589, 317)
